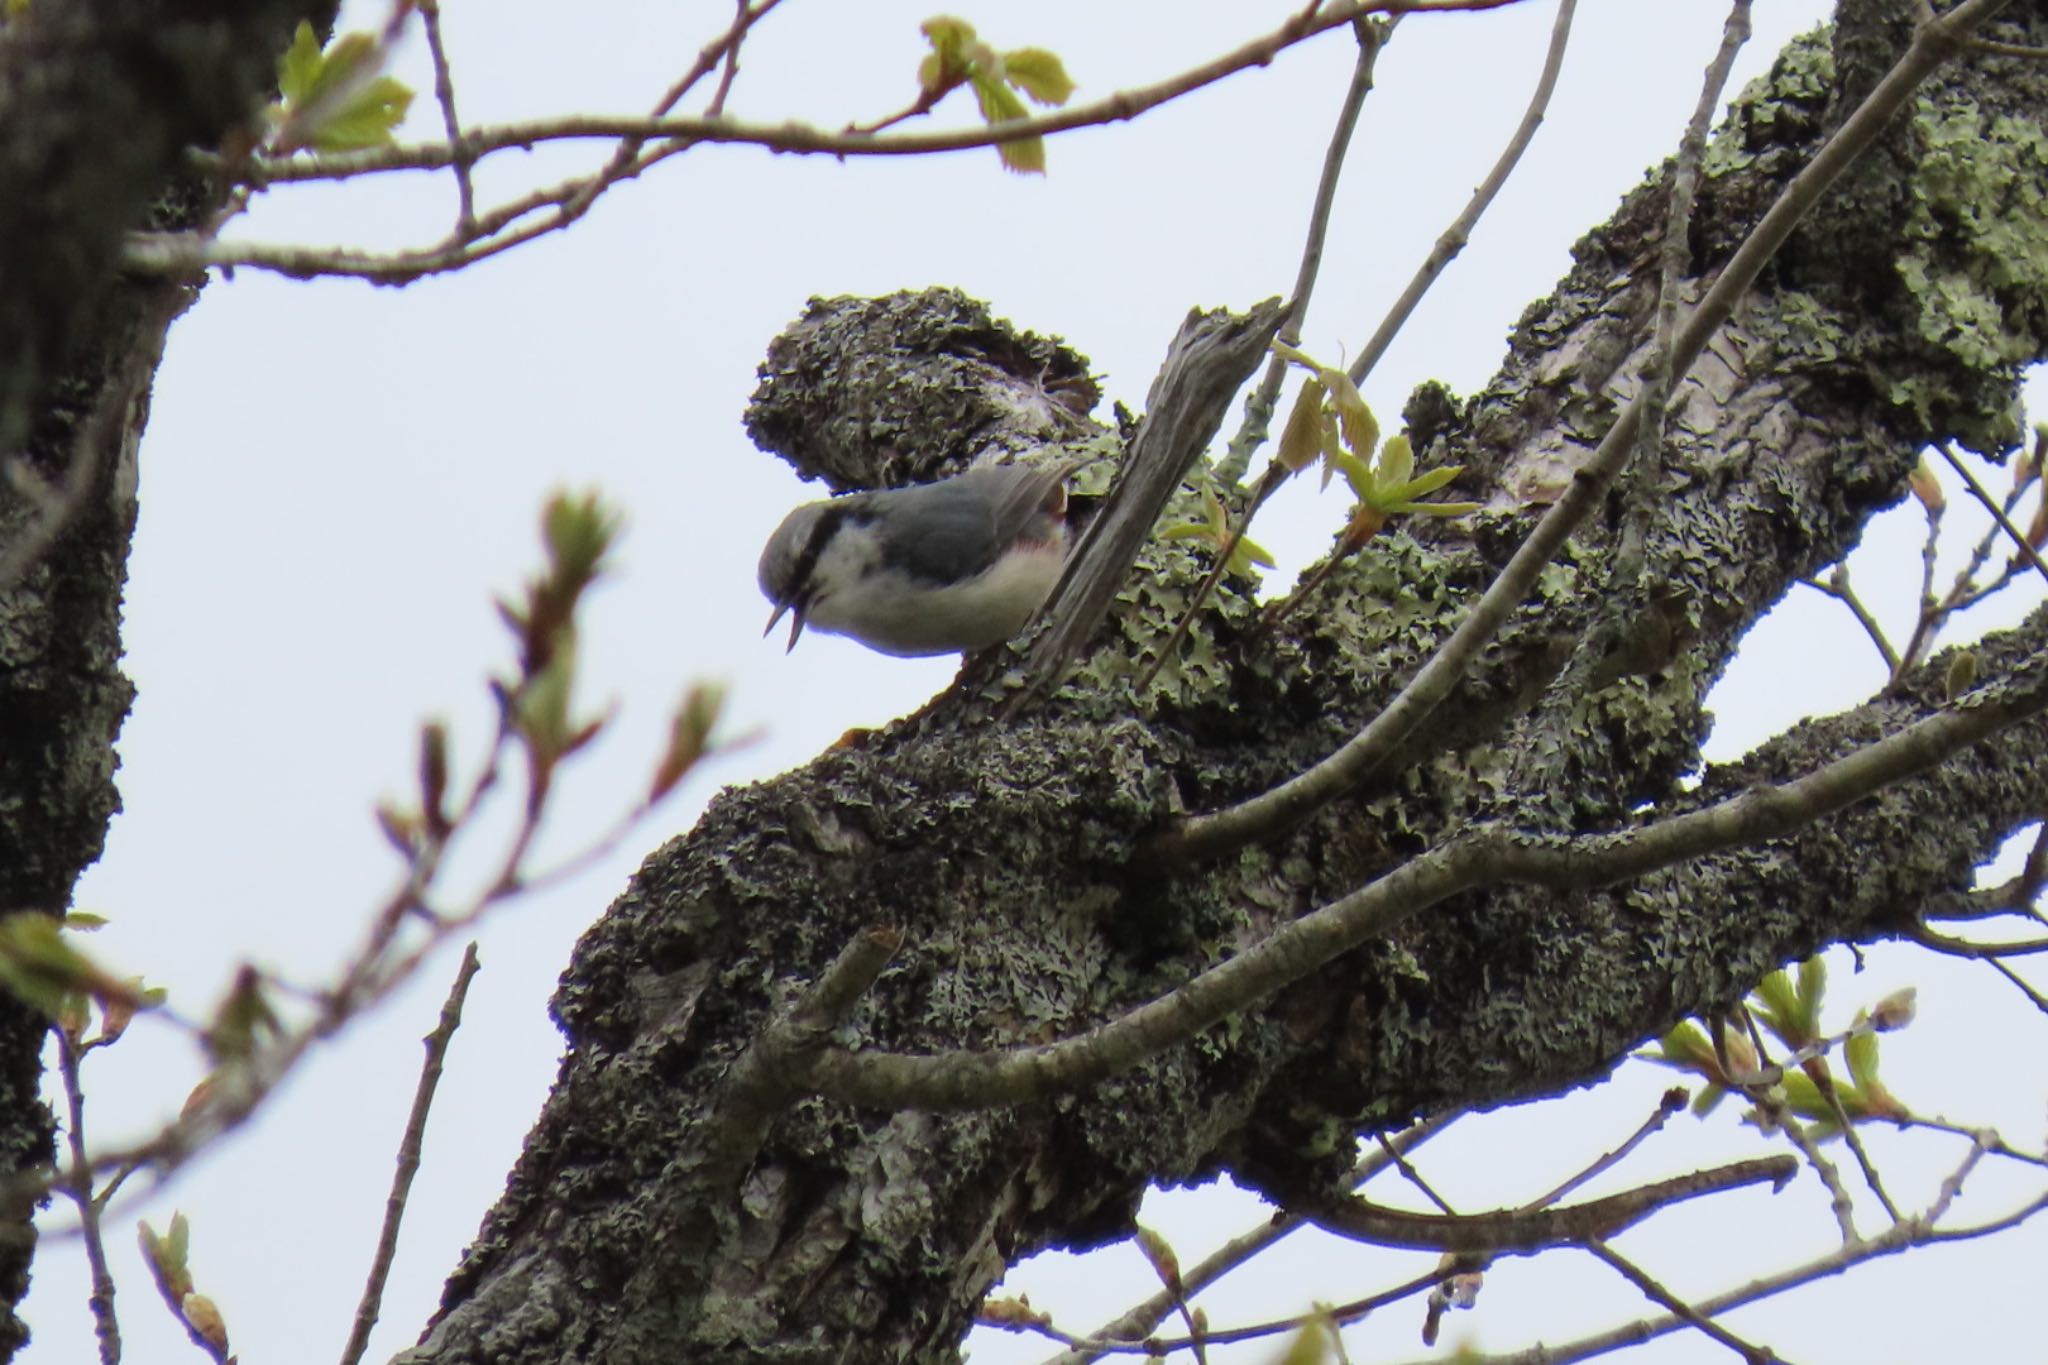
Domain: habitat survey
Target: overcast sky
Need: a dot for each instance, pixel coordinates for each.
(337, 479)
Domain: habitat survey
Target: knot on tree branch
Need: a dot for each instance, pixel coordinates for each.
(876, 393)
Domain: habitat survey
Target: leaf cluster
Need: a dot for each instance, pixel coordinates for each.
(959, 57)
(1331, 422)
(1787, 1005)
(336, 100)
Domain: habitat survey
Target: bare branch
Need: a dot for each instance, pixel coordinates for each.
(1258, 409)
(1837, 587)
(1453, 238)
(444, 94)
(409, 1156)
(1524, 1230)
(2019, 539)
(1670, 1103)
(771, 1074)
(76, 1185)
(1914, 1232)
(1756, 1355)
(1139, 1320)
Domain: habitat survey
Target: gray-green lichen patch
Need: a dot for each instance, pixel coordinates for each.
(1974, 255)
(1777, 111)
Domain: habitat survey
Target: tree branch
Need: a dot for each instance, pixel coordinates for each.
(1525, 1229)
(1199, 838)
(970, 1079)
(409, 1158)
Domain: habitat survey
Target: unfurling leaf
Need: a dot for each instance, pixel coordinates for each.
(335, 101)
(1301, 440)
(1309, 1346)
(948, 64)
(999, 104)
(959, 57)
(204, 1318)
(1791, 1009)
(1039, 74)
(1361, 429)
(1016, 1312)
(1164, 1263)
(165, 1256)
(244, 1019)
(1927, 487)
(1962, 673)
(74, 1012)
(2037, 529)
(1896, 1010)
(689, 736)
(43, 968)
(434, 779)
(117, 1012)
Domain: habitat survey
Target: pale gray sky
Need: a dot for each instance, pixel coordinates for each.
(337, 479)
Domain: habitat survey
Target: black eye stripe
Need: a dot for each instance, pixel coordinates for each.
(822, 531)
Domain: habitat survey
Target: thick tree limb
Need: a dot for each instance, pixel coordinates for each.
(98, 100)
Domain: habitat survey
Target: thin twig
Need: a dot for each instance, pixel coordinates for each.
(1641, 1279)
(77, 1186)
(1089, 1348)
(1672, 1101)
(180, 253)
(744, 21)
(2040, 1002)
(1136, 1322)
(1619, 602)
(1258, 412)
(1900, 1237)
(1258, 409)
(1411, 1175)
(1962, 947)
(409, 1158)
(1995, 48)
(1837, 587)
(444, 92)
(2019, 538)
(1824, 1081)
(1523, 1230)
(1986, 1138)
(1839, 1202)
(1453, 238)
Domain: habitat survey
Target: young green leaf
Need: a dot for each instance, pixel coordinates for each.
(1301, 440)
(1039, 74)
(1428, 481)
(689, 736)
(1361, 428)
(335, 100)
(999, 104)
(43, 968)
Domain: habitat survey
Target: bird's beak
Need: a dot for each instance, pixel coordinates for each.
(796, 624)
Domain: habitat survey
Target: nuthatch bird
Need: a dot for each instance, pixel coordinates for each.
(937, 568)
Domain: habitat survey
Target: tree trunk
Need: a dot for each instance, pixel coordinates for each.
(656, 1216)
(98, 101)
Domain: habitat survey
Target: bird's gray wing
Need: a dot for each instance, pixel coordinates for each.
(967, 521)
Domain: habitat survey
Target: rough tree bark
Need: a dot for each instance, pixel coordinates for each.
(1003, 853)
(98, 101)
